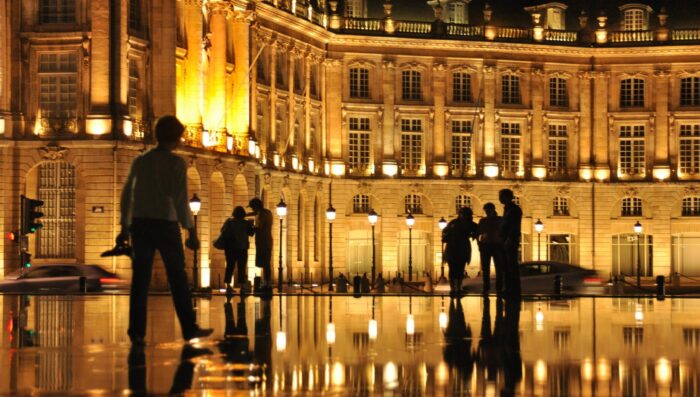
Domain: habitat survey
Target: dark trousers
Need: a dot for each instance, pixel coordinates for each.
(263, 258)
(488, 252)
(512, 271)
(237, 258)
(147, 236)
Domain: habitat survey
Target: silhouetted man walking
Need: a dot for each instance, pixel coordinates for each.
(263, 239)
(153, 201)
(510, 234)
(491, 246)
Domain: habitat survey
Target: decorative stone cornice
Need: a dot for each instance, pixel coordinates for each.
(218, 7)
(688, 73)
(537, 72)
(489, 69)
(466, 188)
(412, 65)
(585, 75)
(662, 73)
(510, 71)
(333, 62)
(464, 68)
(388, 64)
(560, 75)
(242, 16)
(439, 67)
(630, 75)
(53, 152)
(564, 190)
(362, 63)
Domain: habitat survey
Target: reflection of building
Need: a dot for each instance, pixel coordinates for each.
(591, 124)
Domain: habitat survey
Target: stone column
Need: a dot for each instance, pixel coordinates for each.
(389, 94)
(601, 127)
(294, 54)
(585, 126)
(272, 142)
(539, 136)
(240, 107)
(489, 130)
(98, 50)
(192, 112)
(216, 111)
(306, 150)
(661, 142)
(439, 137)
(334, 109)
(164, 33)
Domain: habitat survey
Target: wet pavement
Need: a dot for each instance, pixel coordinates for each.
(390, 345)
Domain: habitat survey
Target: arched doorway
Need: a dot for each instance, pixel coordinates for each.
(218, 212)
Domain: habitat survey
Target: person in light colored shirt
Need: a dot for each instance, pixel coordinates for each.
(153, 202)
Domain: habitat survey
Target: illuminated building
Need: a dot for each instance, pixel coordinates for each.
(592, 119)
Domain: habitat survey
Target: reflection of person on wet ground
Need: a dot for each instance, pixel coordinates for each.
(508, 339)
(263, 341)
(457, 351)
(182, 380)
(487, 353)
(235, 346)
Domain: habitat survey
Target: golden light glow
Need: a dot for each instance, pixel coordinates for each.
(539, 171)
(390, 169)
(312, 165)
(276, 159)
(338, 374)
(2, 126)
(205, 272)
(490, 170)
(229, 143)
(97, 126)
(638, 313)
(587, 370)
(337, 168)
(441, 170)
(442, 374)
(442, 320)
(538, 33)
(539, 319)
(295, 162)
(330, 333)
(662, 173)
(603, 370)
(585, 173)
(663, 371)
(602, 174)
(490, 32)
(540, 372)
(601, 36)
(410, 325)
(372, 329)
(391, 376)
(128, 127)
(281, 341)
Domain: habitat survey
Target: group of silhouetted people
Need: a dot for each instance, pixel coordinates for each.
(498, 240)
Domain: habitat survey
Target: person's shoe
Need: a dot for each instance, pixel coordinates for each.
(229, 290)
(199, 333)
(246, 287)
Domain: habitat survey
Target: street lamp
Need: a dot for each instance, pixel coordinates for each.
(195, 206)
(638, 232)
(372, 326)
(539, 226)
(281, 212)
(373, 217)
(330, 216)
(410, 221)
(442, 224)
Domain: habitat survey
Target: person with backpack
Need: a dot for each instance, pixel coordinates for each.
(235, 233)
(458, 250)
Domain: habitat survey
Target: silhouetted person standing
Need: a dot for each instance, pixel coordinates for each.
(263, 239)
(153, 201)
(510, 345)
(236, 347)
(237, 231)
(458, 250)
(457, 351)
(491, 247)
(510, 234)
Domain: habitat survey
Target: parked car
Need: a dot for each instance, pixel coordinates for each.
(538, 278)
(61, 278)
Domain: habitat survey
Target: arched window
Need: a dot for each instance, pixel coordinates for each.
(56, 188)
(631, 206)
(691, 206)
(413, 204)
(561, 206)
(360, 204)
(462, 201)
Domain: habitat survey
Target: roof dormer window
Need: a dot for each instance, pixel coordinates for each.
(635, 17)
(355, 9)
(552, 15)
(457, 12)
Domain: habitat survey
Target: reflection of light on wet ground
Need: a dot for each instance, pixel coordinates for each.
(296, 345)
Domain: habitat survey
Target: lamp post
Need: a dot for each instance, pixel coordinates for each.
(281, 212)
(330, 216)
(442, 224)
(638, 232)
(539, 226)
(373, 217)
(410, 221)
(195, 206)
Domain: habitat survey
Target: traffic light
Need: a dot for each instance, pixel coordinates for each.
(31, 215)
(13, 236)
(26, 259)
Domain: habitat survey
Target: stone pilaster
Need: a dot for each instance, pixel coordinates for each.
(334, 108)
(585, 126)
(600, 119)
(661, 96)
(216, 110)
(489, 131)
(240, 107)
(539, 136)
(439, 136)
(389, 95)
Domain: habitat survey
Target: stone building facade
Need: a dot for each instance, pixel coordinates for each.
(595, 127)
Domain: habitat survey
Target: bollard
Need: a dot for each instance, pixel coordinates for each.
(380, 284)
(83, 284)
(660, 287)
(558, 284)
(356, 281)
(256, 283)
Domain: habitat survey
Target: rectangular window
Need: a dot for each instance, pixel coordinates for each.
(58, 76)
(632, 93)
(558, 93)
(359, 83)
(461, 87)
(455, 13)
(281, 72)
(299, 73)
(557, 154)
(510, 148)
(690, 91)
(635, 20)
(360, 204)
(411, 144)
(461, 146)
(261, 65)
(353, 9)
(510, 89)
(359, 147)
(313, 90)
(133, 93)
(632, 161)
(691, 206)
(690, 149)
(135, 14)
(631, 206)
(561, 206)
(413, 204)
(462, 201)
(411, 85)
(56, 187)
(57, 11)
